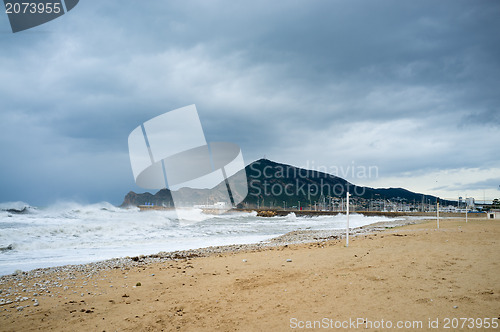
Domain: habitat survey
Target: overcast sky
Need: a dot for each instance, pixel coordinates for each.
(409, 88)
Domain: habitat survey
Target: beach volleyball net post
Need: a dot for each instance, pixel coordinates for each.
(466, 208)
(347, 224)
(437, 212)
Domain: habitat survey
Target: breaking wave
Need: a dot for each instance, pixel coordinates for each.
(71, 233)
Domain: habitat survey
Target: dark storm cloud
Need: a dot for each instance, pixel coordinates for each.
(409, 86)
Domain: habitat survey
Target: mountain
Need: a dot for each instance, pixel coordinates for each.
(275, 185)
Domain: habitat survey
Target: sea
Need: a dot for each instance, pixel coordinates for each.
(71, 233)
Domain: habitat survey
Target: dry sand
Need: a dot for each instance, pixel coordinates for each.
(410, 273)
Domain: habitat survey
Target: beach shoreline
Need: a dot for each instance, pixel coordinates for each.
(292, 237)
(389, 271)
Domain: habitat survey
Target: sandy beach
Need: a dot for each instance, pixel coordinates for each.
(416, 276)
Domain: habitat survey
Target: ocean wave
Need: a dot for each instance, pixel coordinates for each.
(19, 205)
(71, 232)
(16, 208)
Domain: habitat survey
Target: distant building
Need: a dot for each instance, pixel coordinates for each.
(494, 214)
(470, 202)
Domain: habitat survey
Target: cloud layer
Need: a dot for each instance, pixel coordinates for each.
(412, 88)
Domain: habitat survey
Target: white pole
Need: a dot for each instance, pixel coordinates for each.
(347, 227)
(466, 208)
(437, 207)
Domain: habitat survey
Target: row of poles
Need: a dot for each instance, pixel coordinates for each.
(347, 214)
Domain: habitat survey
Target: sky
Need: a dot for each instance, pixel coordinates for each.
(382, 93)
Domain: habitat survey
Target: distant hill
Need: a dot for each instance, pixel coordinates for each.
(272, 184)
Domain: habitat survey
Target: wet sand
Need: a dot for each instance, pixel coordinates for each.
(412, 273)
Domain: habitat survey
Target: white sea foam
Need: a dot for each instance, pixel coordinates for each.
(13, 205)
(71, 233)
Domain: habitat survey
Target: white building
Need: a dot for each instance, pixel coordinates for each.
(469, 201)
(494, 214)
